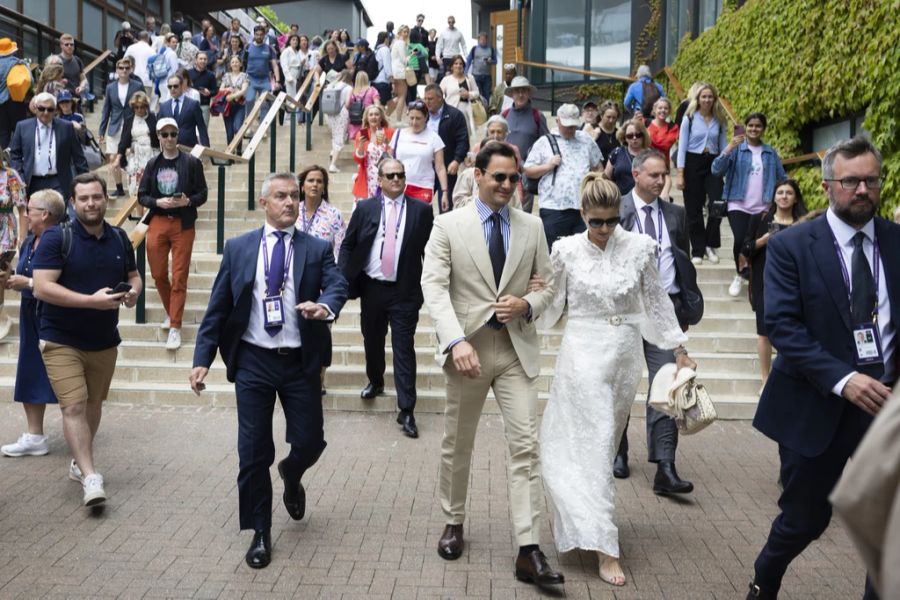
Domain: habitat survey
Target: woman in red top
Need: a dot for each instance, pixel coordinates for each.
(372, 142)
(663, 133)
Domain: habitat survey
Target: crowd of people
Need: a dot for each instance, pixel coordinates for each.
(609, 248)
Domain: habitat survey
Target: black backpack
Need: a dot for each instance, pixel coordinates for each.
(531, 185)
(356, 110)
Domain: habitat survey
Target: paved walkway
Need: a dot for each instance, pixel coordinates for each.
(170, 527)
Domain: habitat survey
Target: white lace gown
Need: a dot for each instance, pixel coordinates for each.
(614, 299)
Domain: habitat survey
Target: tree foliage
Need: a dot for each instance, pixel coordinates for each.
(805, 61)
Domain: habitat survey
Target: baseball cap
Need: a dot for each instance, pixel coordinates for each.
(166, 122)
(569, 115)
(63, 96)
(590, 103)
(362, 42)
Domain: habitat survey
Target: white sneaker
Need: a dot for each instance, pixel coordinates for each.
(166, 324)
(734, 289)
(174, 341)
(94, 493)
(333, 169)
(697, 260)
(75, 472)
(711, 256)
(28, 444)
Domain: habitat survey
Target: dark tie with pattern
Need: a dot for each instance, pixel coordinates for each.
(177, 108)
(498, 259)
(275, 277)
(649, 228)
(862, 296)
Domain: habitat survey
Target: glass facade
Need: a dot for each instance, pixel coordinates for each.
(39, 10)
(92, 25)
(590, 35)
(566, 36)
(66, 14)
(709, 12)
(678, 25)
(611, 36)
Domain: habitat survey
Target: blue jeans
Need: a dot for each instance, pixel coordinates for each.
(560, 223)
(258, 86)
(234, 121)
(484, 87)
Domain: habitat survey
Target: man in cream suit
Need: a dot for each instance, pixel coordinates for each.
(478, 263)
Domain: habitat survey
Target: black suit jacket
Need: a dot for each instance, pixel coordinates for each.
(126, 140)
(808, 320)
(361, 232)
(689, 309)
(69, 153)
(190, 121)
(316, 278)
(454, 132)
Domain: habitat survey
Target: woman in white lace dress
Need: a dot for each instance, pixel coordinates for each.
(608, 277)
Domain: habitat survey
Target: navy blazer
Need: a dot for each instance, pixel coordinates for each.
(316, 278)
(69, 153)
(189, 118)
(454, 132)
(114, 113)
(808, 320)
(364, 226)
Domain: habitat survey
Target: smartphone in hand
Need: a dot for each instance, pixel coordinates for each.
(738, 130)
(120, 288)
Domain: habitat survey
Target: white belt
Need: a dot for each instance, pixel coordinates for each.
(614, 320)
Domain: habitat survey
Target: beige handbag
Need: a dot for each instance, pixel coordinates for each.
(682, 398)
(411, 77)
(479, 115)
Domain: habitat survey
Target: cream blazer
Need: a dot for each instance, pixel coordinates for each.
(458, 281)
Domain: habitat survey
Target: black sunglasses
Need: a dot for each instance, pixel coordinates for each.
(598, 223)
(393, 176)
(44, 108)
(502, 177)
(174, 87)
(168, 134)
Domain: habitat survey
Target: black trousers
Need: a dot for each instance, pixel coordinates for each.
(382, 304)
(439, 194)
(662, 433)
(701, 187)
(10, 114)
(739, 222)
(805, 510)
(261, 374)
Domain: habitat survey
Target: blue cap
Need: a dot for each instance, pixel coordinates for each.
(362, 42)
(64, 96)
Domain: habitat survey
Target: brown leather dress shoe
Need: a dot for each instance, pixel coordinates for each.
(450, 546)
(533, 568)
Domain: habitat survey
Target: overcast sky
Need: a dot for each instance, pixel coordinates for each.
(403, 12)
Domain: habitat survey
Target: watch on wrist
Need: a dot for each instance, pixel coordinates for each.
(680, 350)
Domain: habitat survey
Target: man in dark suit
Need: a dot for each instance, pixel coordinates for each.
(450, 125)
(45, 151)
(381, 256)
(187, 114)
(642, 211)
(826, 281)
(116, 110)
(267, 316)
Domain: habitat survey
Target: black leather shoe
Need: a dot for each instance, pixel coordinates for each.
(409, 424)
(757, 593)
(370, 391)
(450, 546)
(667, 480)
(620, 467)
(294, 496)
(533, 568)
(260, 553)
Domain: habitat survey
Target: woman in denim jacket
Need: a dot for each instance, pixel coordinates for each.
(751, 169)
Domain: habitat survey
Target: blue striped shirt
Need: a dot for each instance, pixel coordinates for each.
(695, 136)
(487, 224)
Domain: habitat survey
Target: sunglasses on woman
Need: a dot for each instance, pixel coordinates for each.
(598, 223)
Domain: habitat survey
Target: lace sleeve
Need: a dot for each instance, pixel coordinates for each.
(554, 311)
(660, 327)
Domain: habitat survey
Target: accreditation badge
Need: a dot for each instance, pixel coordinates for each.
(867, 344)
(273, 311)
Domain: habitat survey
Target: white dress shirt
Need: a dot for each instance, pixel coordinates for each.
(373, 266)
(45, 150)
(844, 233)
(666, 258)
(123, 93)
(289, 336)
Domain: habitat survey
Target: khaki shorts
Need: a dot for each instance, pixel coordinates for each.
(78, 376)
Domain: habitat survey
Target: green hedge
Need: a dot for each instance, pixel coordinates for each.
(804, 61)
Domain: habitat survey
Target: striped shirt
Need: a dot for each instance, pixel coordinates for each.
(487, 224)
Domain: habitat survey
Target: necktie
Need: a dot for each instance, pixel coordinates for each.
(177, 108)
(498, 258)
(649, 227)
(390, 239)
(275, 277)
(862, 295)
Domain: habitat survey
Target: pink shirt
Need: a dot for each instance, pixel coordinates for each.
(753, 201)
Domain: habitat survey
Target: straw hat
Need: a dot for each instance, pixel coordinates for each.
(519, 81)
(7, 47)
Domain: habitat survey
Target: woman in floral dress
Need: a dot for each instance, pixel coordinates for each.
(12, 200)
(372, 143)
(138, 143)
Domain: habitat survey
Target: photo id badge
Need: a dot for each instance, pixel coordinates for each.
(868, 345)
(273, 309)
